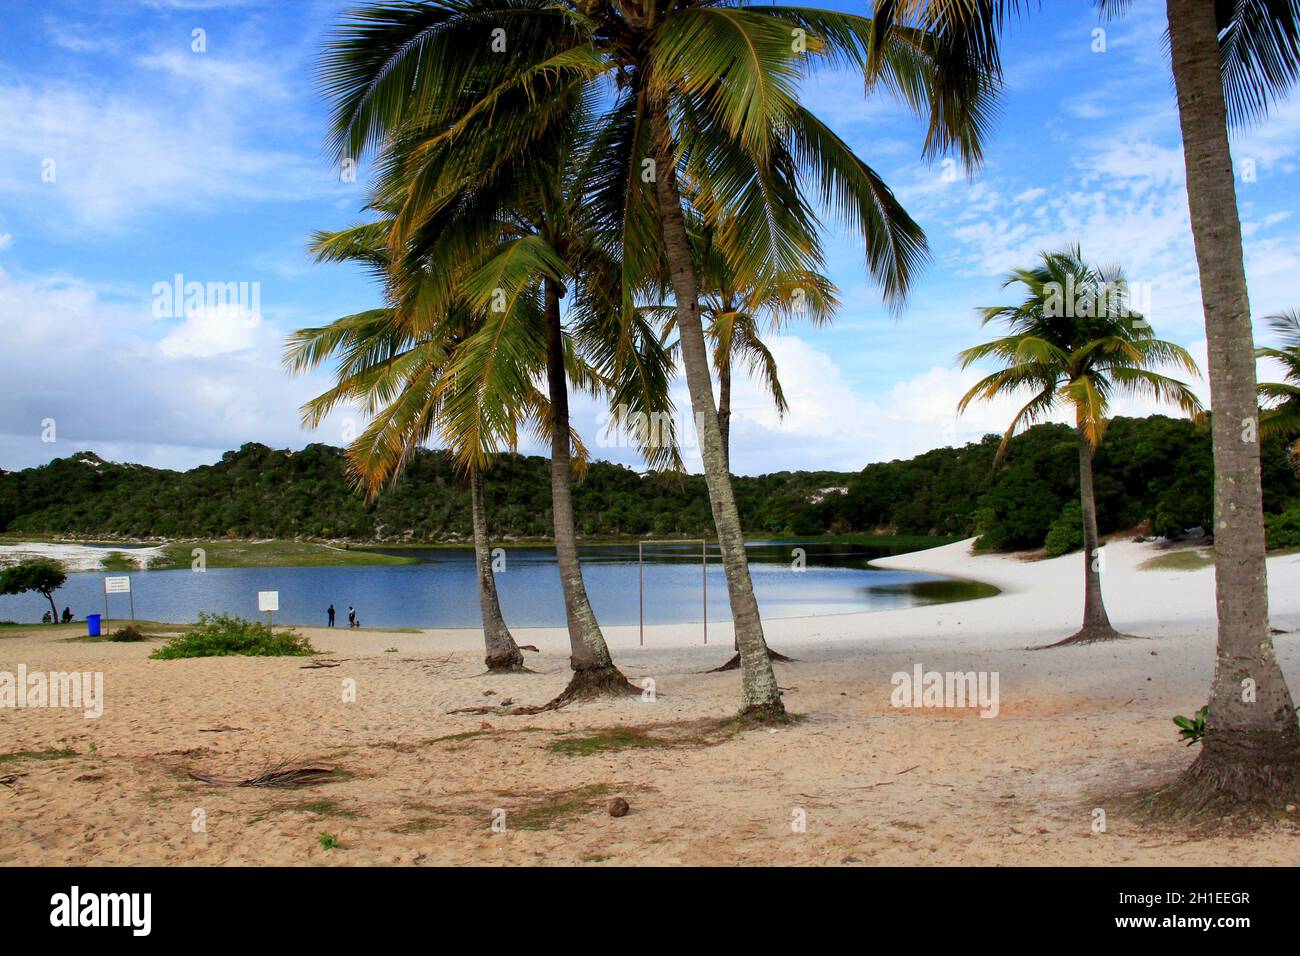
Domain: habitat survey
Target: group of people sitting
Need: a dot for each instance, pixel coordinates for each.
(67, 617)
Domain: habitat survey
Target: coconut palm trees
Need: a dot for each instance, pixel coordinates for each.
(1282, 417)
(1072, 341)
(686, 103)
(1232, 61)
(392, 368)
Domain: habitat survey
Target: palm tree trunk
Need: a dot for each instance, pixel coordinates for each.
(760, 697)
(1096, 622)
(502, 653)
(594, 672)
(724, 411)
(1250, 754)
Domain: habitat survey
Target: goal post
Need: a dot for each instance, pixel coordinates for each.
(704, 576)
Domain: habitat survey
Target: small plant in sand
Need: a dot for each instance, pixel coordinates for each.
(128, 634)
(328, 841)
(219, 635)
(1192, 729)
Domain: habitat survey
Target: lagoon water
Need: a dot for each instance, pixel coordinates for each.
(440, 591)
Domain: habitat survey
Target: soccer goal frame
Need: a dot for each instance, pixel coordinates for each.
(704, 576)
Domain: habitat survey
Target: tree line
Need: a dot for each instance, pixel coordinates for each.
(1155, 471)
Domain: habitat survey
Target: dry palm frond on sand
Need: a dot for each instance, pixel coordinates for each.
(281, 776)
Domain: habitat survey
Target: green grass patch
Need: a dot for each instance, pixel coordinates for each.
(322, 808)
(269, 554)
(705, 733)
(117, 561)
(49, 753)
(419, 825)
(559, 808)
(222, 635)
(1188, 559)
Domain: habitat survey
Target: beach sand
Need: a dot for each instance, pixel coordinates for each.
(871, 783)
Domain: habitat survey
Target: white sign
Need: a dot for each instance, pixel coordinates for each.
(117, 585)
(268, 600)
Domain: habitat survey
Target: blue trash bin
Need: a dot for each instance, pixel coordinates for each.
(92, 624)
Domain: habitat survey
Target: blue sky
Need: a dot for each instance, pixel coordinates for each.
(211, 165)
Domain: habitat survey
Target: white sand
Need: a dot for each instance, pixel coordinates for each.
(74, 557)
(876, 784)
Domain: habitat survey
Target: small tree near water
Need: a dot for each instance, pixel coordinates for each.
(43, 575)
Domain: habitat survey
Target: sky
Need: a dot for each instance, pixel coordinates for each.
(145, 140)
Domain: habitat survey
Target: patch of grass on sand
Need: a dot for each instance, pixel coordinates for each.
(558, 808)
(1187, 559)
(322, 808)
(705, 733)
(269, 554)
(49, 753)
(419, 825)
(117, 561)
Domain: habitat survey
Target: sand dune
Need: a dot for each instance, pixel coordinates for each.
(871, 782)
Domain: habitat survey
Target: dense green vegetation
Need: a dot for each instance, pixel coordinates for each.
(1153, 469)
(220, 635)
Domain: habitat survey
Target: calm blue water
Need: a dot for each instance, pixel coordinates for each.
(440, 592)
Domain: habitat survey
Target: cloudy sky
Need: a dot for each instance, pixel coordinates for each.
(128, 158)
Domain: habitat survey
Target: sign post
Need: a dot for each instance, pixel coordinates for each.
(268, 601)
(117, 585)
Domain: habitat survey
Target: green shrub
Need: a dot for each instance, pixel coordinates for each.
(1283, 530)
(1066, 533)
(128, 634)
(218, 635)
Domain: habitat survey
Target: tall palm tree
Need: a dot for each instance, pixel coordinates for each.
(1232, 60)
(1073, 341)
(524, 243)
(1282, 417)
(680, 94)
(394, 373)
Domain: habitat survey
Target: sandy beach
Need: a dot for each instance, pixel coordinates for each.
(856, 781)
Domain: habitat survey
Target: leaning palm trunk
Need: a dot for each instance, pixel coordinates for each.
(724, 412)
(594, 672)
(760, 696)
(1096, 622)
(1250, 754)
(502, 652)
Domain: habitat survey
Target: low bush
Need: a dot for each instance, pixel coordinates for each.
(219, 635)
(1283, 530)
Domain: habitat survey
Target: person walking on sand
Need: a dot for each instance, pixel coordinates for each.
(352, 616)
(330, 611)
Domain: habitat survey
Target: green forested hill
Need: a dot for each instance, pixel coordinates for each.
(1152, 469)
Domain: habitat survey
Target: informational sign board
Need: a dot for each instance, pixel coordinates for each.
(117, 585)
(268, 600)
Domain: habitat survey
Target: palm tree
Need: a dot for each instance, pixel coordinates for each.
(685, 99)
(1282, 417)
(733, 313)
(395, 374)
(523, 242)
(1074, 342)
(1232, 60)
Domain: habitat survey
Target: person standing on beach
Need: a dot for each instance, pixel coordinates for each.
(352, 616)
(330, 611)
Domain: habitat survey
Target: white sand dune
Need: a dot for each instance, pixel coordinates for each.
(74, 557)
(1077, 727)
